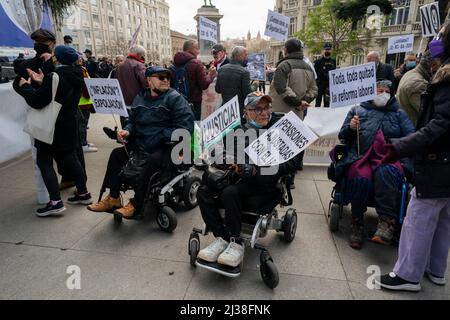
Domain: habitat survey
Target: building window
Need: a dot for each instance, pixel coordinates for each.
(94, 2)
(111, 20)
(400, 13)
(293, 26)
(95, 18)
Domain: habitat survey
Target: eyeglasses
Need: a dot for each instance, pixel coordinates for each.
(260, 110)
(162, 77)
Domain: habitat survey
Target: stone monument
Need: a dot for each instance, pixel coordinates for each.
(212, 13)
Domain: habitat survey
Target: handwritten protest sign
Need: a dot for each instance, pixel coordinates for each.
(430, 19)
(283, 141)
(106, 96)
(221, 122)
(208, 30)
(352, 85)
(277, 26)
(257, 67)
(401, 44)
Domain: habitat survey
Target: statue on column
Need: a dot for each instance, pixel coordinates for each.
(210, 4)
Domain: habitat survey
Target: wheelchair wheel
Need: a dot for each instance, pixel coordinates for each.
(268, 270)
(117, 218)
(194, 247)
(190, 192)
(167, 219)
(334, 215)
(289, 225)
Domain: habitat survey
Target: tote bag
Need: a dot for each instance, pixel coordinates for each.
(40, 123)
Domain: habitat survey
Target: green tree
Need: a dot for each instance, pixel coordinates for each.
(59, 8)
(323, 26)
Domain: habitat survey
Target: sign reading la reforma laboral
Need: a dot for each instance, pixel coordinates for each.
(221, 122)
(207, 29)
(283, 141)
(277, 26)
(352, 85)
(106, 96)
(401, 44)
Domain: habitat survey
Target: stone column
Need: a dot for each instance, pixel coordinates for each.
(211, 13)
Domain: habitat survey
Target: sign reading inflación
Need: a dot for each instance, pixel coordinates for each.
(283, 141)
(400, 44)
(106, 96)
(207, 30)
(352, 85)
(221, 122)
(277, 26)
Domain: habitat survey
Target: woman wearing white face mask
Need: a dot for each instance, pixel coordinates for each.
(377, 122)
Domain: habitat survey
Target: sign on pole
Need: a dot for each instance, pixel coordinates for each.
(257, 66)
(221, 122)
(401, 44)
(208, 29)
(134, 37)
(429, 17)
(106, 96)
(283, 141)
(277, 26)
(352, 85)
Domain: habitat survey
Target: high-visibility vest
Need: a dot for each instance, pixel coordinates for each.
(85, 101)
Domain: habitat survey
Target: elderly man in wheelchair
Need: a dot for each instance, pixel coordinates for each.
(360, 169)
(245, 187)
(157, 111)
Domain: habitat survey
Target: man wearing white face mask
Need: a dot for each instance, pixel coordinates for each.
(365, 172)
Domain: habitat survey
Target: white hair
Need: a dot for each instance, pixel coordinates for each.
(138, 51)
(374, 53)
(237, 51)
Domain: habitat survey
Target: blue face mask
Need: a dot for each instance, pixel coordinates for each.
(254, 124)
(411, 65)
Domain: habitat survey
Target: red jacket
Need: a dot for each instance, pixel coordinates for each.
(198, 79)
(131, 76)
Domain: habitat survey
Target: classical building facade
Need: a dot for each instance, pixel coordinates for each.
(404, 20)
(107, 26)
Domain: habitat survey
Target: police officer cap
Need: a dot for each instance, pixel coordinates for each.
(154, 70)
(328, 46)
(41, 35)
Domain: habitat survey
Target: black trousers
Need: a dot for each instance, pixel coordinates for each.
(197, 109)
(67, 161)
(118, 159)
(232, 199)
(323, 91)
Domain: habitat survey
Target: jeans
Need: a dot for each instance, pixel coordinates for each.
(83, 125)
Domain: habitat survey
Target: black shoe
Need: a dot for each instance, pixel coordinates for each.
(112, 134)
(357, 234)
(50, 209)
(292, 186)
(393, 282)
(77, 199)
(439, 281)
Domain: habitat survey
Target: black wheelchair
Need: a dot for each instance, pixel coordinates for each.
(257, 219)
(337, 202)
(166, 189)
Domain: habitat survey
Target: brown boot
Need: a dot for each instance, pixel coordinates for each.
(126, 211)
(107, 204)
(357, 234)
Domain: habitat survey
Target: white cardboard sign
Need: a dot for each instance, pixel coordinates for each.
(430, 19)
(221, 122)
(207, 30)
(106, 96)
(400, 44)
(277, 26)
(283, 141)
(352, 85)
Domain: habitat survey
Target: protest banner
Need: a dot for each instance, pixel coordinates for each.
(221, 122)
(318, 153)
(207, 29)
(135, 36)
(106, 96)
(257, 66)
(400, 44)
(430, 19)
(277, 26)
(283, 141)
(352, 85)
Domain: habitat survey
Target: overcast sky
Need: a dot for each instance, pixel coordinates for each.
(239, 16)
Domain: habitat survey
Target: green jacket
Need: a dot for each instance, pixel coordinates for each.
(410, 88)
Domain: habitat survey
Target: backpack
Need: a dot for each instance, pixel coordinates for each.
(181, 81)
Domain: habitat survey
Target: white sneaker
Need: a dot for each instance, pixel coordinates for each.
(233, 255)
(436, 280)
(212, 252)
(88, 148)
(91, 144)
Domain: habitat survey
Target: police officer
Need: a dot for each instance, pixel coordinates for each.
(322, 66)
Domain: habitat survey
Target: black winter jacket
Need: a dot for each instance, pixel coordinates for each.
(430, 145)
(68, 94)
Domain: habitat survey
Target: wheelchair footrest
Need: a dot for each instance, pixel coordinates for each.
(232, 272)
